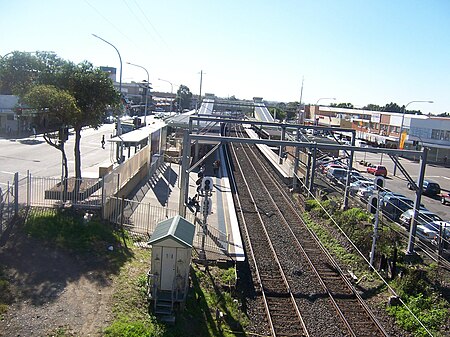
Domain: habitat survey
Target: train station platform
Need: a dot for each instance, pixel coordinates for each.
(223, 227)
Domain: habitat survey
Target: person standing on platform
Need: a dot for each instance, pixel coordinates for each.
(103, 141)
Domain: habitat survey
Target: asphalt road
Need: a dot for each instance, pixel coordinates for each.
(42, 160)
(398, 183)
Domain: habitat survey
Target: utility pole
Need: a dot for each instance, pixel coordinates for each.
(301, 118)
(200, 96)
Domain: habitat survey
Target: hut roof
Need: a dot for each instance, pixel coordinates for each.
(177, 228)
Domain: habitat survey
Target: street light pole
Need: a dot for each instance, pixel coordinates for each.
(146, 90)
(171, 92)
(317, 103)
(119, 127)
(200, 96)
(401, 127)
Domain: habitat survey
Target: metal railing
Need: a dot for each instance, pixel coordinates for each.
(140, 219)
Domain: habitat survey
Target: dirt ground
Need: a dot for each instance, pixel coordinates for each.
(53, 290)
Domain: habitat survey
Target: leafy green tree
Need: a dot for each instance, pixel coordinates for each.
(184, 96)
(342, 105)
(292, 110)
(393, 107)
(372, 107)
(92, 91)
(58, 105)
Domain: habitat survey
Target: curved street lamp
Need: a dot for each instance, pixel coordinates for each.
(171, 92)
(119, 127)
(146, 90)
(333, 98)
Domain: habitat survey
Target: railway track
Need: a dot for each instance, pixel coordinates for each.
(293, 273)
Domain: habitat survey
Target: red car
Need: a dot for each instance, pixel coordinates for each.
(445, 198)
(377, 170)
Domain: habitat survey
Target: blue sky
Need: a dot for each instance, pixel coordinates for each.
(356, 51)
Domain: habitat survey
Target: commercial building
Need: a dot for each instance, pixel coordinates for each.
(382, 128)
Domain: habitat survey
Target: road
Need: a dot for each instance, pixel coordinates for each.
(42, 160)
(439, 174)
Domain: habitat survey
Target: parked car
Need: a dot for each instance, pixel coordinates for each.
(358, 184)
(365, 193)
(445, 198)
(423, 217)
(427, 232)
(336, 173)
(393, 206)
(429, 188)
(377, 170)
(329, 166)
(445, 238)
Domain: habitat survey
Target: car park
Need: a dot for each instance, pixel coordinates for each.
(429, 188)
(428, 231)
(424, 216)
(377, 170)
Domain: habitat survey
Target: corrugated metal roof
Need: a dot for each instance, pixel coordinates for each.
(177, 228)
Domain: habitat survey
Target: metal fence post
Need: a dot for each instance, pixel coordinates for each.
(16, 193)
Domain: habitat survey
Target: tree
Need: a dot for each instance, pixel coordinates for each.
(184, 96)
(393, 107)
(372, 107)
(342, 105)
(90, 88)
(58, 105)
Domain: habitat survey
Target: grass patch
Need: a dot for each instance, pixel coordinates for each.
(67, 229)
(332, 244)
(6, 296)
(418, 285)
(198, 318)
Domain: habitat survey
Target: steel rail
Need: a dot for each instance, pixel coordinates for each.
(266, 297)
(323, 250)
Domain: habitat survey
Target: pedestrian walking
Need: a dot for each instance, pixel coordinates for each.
(103, 141)
(445, 160)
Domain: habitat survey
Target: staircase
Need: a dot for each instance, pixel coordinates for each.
(164, 307)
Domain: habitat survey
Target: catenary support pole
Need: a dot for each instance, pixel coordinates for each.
(313, 169)
(413, 227)
(184, 183)
(349, 174)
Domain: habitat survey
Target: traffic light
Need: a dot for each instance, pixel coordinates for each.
(207, 184)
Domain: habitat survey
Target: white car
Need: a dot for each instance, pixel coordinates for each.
(360, 184)
(365, 192)
(424, 216)
(427, 232)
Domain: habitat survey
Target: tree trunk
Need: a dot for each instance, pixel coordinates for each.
(77, 160)
(65, 173)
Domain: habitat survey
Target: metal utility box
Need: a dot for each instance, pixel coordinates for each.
(168, 277)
